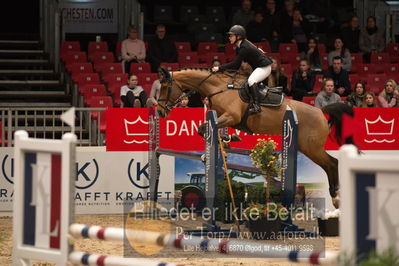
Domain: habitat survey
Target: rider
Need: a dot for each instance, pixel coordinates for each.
(248, 52)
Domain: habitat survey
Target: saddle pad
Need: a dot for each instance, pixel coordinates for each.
(267, 96)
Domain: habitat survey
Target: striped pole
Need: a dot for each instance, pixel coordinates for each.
(82, 258)
(186, 242)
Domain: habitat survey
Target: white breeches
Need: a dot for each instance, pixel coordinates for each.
(259, 74)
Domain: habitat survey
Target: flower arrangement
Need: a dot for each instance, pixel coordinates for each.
(264, 157)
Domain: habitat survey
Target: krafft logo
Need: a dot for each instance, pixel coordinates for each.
(138, 174)
(86, 174)
(7, 168)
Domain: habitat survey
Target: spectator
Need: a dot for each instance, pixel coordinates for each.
(317, 12)
(369, 99)
(313, 56)
(272, 17)
(371, 39)
(356, 98)
(161, 49)
(216, 62)
(286, 21)
(183, 101)
(132, 49)
(302, 81)
(389, 96)
(257, 29)
(351, 35)
(341, 51)
(156, 88)
(297, 31)
(340, 77)
(243, 15)
(327, 95)
(133, 95)
(277, 78)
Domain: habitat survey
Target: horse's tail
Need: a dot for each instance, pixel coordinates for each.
(335, 112)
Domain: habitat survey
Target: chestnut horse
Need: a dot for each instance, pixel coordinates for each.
(313, 127)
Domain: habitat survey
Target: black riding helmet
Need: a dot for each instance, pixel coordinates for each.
(238, 30)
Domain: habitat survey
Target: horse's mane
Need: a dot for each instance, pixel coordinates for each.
(224, 72)
(195, 68)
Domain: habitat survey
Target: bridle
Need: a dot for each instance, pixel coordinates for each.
(169, 106)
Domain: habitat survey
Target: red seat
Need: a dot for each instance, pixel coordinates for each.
(353, 78)
(198, 65)
(99, 102)
(366, 69)
(318, 83)
(379, 58)
(68, 46)
(393, 51)
(75, 57)
(86, 78)
(171, 66)
(357, 60)
(188, 58)
(288, 48)
(118, 50)
(391, 69)
(309, 100)
(92, 90)
(97, 47)
(115, 90)
(322, 48)
(107, 68)
(137, 68)
(324, 60)
(211, 56)
(102, 57)
(288, 69)
(120, 78)
(230, 52)
(265, 46)
(75, 68)
(274, 55)
(146, 78)
(183, 46)
(291, 58)
(205, 48)
(147, 89)
(377, 77)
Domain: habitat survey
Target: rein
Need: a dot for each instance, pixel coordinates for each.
(170, 106)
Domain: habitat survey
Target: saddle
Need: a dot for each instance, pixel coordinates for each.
(267, 96)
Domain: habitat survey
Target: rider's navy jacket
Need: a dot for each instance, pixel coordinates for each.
(249, 53)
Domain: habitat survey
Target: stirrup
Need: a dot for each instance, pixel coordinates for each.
(254, 108)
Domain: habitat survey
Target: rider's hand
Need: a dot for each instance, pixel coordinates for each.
(215, 69)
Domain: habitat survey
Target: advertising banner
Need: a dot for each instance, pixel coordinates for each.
(107, 182)
(127, 129)
(100, 16)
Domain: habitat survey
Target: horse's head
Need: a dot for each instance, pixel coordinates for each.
(169, 95)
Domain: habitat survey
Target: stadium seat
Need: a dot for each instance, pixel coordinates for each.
(120, 78)
(322, 48)
(288, 69)
(97, 47)
(118, 50)
(391, 69)
(137, 68)
(265, 46)
(365, 69)
(393, 51)
(171, 66)
(107, 68)
(163, 14)
(186, 12)
(146, 78)
(275, 55)
(100, 102)
(115, 90)
(287, 48)
(102, 57)
(318, 83)
(209, 37)
(309, 100)
(183, 46)
(324, 60)
(291, 58)
(68, 46)
(86, 78)
(75, 57)
(188, 58)
(230, 52)
(204, 48)
(353, 78)
(379, 58)
(147, 89)
(376, 78)
(75, 68)
(91, 90)
(208, 58)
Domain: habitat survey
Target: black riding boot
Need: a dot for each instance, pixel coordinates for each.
(254, 105)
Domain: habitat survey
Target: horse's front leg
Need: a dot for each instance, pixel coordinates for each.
(225, 120)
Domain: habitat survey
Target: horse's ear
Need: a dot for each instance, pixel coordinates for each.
(165, 74)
